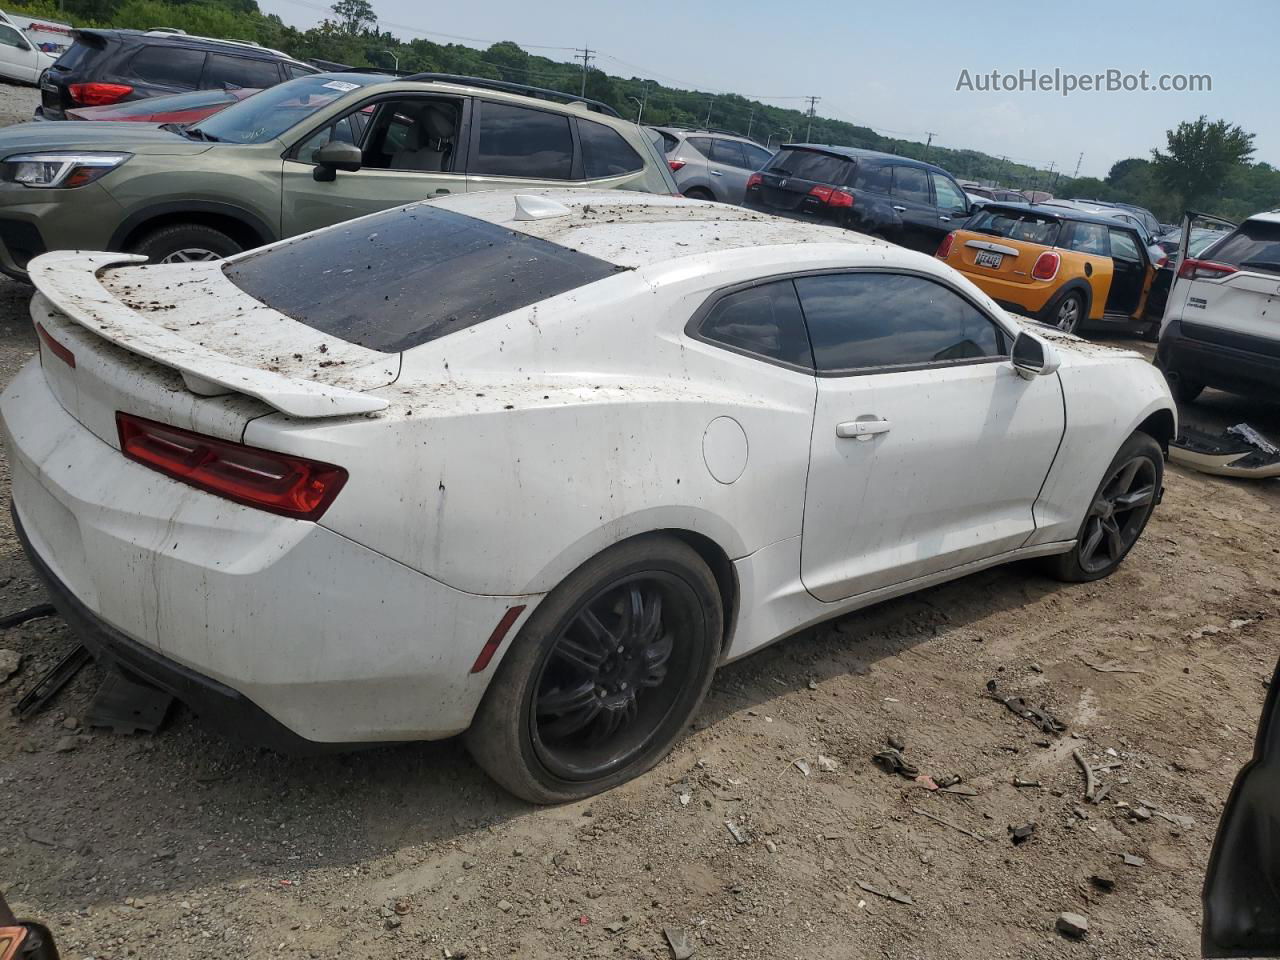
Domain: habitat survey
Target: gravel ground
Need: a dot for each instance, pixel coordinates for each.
(184, 845)
(17, 103)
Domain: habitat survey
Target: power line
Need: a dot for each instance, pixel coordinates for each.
(586, 53)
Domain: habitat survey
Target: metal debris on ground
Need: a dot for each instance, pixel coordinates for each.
(960, 790)
(1020, 835)
(891, 760)
(888, 893)
(31, 613)
(1178, 820)
(678, 941)
(801, 764)
(1090, 778)
(126, 706)
(1108, 667)
(51, 681)
(947, 823)
(1038, 715)
(736, 831)
(1073, 925)
(1241, 451)
(1133, 861)
(1019, 782)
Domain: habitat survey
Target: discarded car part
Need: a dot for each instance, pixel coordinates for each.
(24, 939)
(128, 706)
(1040, 717)
(1233, 454)
(947, 823)
(53, 680)
(1242, 884)
(31, 613)
(887, 892)
(892, 761)
(1090, 779)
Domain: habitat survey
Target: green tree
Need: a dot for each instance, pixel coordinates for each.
(1201, 154)
(355, 16)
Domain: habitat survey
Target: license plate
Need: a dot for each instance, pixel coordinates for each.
(986, 258)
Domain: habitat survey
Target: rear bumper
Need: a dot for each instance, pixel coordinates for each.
(241, 613)
(1244, 365)
(1028, 299)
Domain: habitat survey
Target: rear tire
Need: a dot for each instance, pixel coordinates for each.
(1117, 515)
(1184, 390)
(700, 193)
(185, 243)
(1070, 313)
(605, 675)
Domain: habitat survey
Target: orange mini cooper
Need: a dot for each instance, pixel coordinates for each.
(1062, 267)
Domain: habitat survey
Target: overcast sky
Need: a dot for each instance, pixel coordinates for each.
(896, 66)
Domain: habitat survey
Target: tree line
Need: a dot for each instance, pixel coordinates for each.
(1206, 164)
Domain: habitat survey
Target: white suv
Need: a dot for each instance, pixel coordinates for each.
(1222, 325)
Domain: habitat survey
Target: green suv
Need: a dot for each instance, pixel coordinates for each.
(305, 154)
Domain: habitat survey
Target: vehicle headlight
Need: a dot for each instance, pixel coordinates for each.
(58, 169)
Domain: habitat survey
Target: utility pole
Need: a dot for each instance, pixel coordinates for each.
(641, 100)
(587, 55)
(710, 103)
(1078, 162)
(751, 120)
(1049, 173)
(928, 144)
(1003, 161)
(813, 103)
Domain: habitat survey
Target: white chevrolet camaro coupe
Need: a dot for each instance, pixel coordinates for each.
(531, 466)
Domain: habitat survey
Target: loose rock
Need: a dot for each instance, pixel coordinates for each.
(1073, 925)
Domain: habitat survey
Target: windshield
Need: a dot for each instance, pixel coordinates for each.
(1029, 227)
(267, 115)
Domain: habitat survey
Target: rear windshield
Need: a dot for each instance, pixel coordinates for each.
(1254, 246)
(410, 275)
(810, 165)
(80, 52)
(1028, 227)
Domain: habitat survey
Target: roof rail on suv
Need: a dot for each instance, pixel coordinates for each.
(541, 93)
(178, 34)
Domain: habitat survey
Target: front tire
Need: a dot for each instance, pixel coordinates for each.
(1118, 513)
(185, 243)
(604, 676)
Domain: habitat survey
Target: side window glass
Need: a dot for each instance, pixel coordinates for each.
(519, 142)
(1123, 246)
(10, 37)
(417, 135)
(168, 66)
(764, 320)
(701, 144)
(873, 178)
(222, 72)
(860, 321)
(911, 183)
(950, 197)
(1089, 238)
(757, 157)
(728, 152)
(604, 152)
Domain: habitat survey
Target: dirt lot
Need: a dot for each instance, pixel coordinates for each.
(184, 845)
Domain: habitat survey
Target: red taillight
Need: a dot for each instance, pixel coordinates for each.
(944, 250)
(277, 482)
(57, 349)
(675, 164)
(99, 94)
(495, 639)
(1046, 267)
(754, 180)
(1162, 262)
(1192, 269)
(832, 196)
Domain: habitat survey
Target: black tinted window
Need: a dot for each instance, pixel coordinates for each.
(757, 157)
(518, 142)
(763, 320)
(1016, 225)
(410, 275)
(873, 177)
(861, 320)
(669, 142)
(728, 152)
(810, 165)
(701, 144)
(168, 66)
(221, 71)
(604, 152)
(911, 183)
(1254, 246)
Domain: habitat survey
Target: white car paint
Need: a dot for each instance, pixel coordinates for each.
(20, 59)
(506, 454)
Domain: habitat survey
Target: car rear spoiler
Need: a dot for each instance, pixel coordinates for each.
(69, 280)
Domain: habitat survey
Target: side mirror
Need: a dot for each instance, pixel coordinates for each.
(334, 156)
(1032, 357)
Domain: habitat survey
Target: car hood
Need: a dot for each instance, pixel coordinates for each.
(140, 138)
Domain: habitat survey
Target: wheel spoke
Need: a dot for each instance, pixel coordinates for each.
(602, 638)
(1115, 542)
(651, 622)
(564, 700)
(1093, 537)
(1124, 479)
(656, 656)
(1134, 499)
(581, 655)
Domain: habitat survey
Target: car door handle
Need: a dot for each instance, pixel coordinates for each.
(861, 429)
(716, 173)
(899, 209)
(944, 219)
(442, 189)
